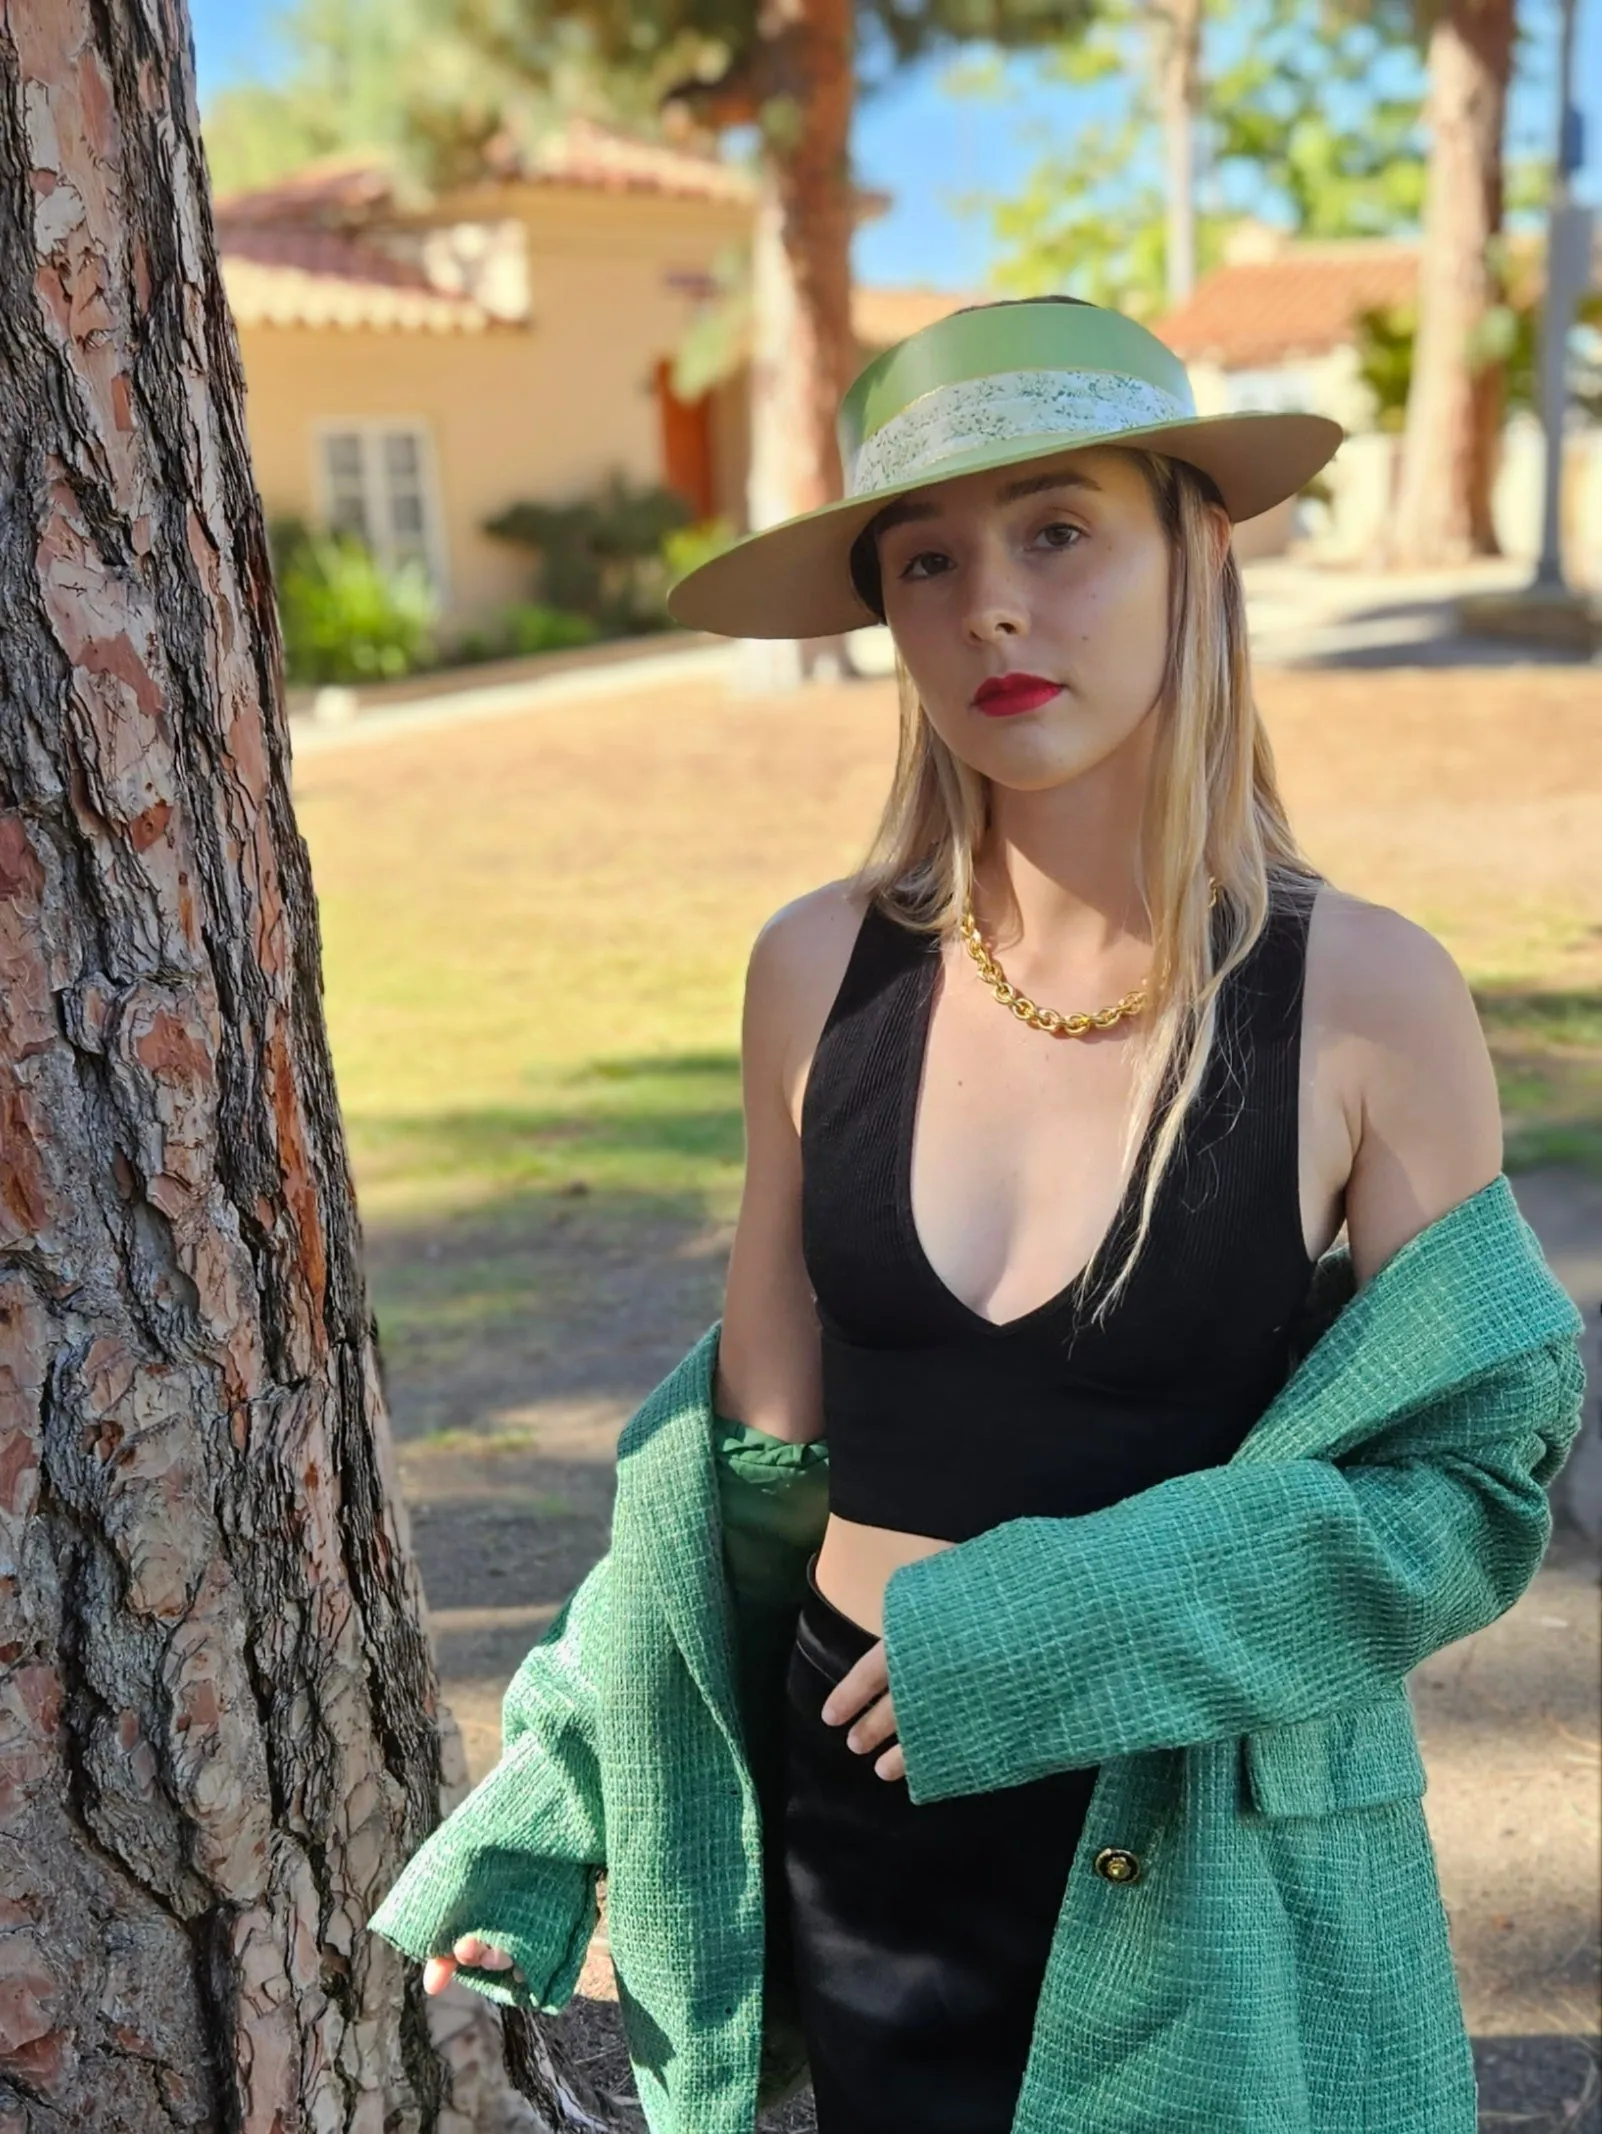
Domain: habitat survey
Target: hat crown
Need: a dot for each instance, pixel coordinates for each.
(1003, 371)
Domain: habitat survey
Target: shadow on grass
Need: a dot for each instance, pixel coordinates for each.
(1445, 639)
(1547, 1047)
(1541, 2085)
(629, 1124)
(569, 1249)
(535, 1270)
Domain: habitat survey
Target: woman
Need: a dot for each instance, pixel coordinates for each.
(1021, 1265)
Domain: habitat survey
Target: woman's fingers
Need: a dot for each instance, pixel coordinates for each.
(892, 1764)
(481, 1955)
(862, 1695)
(874, 1728)
(859, 1685)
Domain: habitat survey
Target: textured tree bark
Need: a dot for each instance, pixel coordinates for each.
(219, 1725)
(1449, 449)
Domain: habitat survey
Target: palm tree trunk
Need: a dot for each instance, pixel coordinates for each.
(1450, 444)
(804, 353)
(1177, 30)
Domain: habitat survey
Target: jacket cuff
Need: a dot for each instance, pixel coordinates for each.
(543, 1921)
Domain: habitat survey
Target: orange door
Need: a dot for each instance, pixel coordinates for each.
(686, 442)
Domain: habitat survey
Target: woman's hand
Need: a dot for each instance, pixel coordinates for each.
(440, 1970)
(865, 1690)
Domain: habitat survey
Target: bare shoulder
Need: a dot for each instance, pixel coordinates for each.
(1383, 977)
(1395, 1017)
(797, 962)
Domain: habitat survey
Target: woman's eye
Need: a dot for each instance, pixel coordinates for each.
(1061, 526)
(924, 555)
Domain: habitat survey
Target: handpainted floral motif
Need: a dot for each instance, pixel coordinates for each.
(952, 420)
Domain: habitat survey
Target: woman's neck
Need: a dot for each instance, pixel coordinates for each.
(1057, 874)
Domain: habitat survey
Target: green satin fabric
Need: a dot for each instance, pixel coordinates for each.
(774, 1499)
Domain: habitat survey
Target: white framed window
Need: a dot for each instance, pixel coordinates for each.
(377, 481)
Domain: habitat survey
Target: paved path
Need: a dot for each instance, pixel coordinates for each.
(1304, 616)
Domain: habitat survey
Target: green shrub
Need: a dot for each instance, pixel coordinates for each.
(600, 555)
(686, 548)
(345, 618)
(525, 627)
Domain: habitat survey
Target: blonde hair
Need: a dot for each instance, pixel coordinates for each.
(1213, 808)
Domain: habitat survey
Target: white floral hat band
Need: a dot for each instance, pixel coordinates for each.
(951, 421)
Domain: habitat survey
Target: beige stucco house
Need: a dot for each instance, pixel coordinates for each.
(1275, 326)
(411, 374)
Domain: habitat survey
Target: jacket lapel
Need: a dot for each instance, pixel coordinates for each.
(1469, 1292)
(666, 1517)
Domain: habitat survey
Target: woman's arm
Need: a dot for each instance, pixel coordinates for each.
(768, 1352)
(1401, 1059)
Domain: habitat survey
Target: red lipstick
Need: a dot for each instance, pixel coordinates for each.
(1003, 694)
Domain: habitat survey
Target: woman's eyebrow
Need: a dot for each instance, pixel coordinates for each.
(1064, 478)
(909, 508)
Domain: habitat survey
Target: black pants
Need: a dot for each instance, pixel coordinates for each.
(920, 1934)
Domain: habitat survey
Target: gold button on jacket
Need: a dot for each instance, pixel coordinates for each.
(1116, 1865)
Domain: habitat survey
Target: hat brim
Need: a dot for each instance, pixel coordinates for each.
(793, 579)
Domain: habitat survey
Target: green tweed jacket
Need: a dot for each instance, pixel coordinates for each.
(1252, 1939)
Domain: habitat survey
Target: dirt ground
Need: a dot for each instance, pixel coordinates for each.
(1471, 800)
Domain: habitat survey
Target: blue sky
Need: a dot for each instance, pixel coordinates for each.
(927, 146)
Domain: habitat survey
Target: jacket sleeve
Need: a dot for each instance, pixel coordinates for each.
(516, 1863)
(1228, 1599)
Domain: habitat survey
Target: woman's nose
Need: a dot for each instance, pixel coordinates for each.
(994, 609)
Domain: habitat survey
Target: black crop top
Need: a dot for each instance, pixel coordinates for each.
(942, 1422)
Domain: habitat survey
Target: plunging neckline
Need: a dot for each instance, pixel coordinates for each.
(907, 1127)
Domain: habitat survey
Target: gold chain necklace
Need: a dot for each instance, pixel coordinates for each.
(1051, 1020)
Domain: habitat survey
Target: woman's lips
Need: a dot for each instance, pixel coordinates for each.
(998, 699)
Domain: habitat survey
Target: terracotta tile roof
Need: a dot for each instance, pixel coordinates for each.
(880, 317)
(1301, 301)
(335, 190)
(347, 190)
(293, 275)
(600, 159)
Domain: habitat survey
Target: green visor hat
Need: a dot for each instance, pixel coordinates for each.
(997, 386)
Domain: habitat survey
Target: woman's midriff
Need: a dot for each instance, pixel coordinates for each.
(855, 1563)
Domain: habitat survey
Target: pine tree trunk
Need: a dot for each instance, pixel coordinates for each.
(1451, 441)
(219, 1724)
